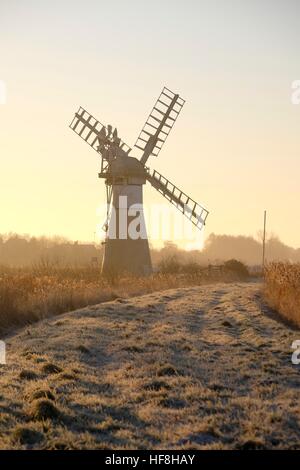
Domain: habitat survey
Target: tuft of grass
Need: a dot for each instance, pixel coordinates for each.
(42, 393)
(156, 385)
(168, 370)
(227, 324)
(67, 376)
(172, 402)
(27, 435)
(251, 444)
(44, 409)
(83, 349)
(27, 375)
(50, 368)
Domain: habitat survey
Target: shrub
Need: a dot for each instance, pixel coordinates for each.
(237, 268)
(169, 265)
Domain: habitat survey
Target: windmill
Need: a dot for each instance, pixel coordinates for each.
(125, 176)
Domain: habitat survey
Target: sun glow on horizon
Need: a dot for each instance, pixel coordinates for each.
(234, 144)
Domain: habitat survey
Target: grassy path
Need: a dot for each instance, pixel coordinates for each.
(200, 367)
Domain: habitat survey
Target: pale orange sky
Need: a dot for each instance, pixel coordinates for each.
(235, 147)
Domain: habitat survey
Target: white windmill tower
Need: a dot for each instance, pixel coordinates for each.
(127, 250)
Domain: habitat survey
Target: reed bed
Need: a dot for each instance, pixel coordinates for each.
(30, 294)
(282, 289)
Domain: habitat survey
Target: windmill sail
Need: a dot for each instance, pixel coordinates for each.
(159, 124)
(89, 129)
(190, 208)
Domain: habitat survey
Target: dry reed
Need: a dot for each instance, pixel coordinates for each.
(30, 294)
(282, 289)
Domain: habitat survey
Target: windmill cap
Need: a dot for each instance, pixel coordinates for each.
(127, 166)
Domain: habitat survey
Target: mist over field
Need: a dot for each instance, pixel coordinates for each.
(21, 250)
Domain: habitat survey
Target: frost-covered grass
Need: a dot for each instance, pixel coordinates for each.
(199, 367)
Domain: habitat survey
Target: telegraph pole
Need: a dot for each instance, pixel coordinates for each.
(264, 241)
